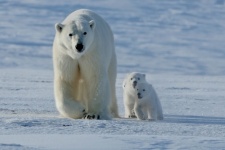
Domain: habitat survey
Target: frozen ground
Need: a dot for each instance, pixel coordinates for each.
(193, 108)
(179, 45)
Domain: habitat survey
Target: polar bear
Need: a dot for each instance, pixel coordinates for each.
(85, 67)
(129, 96)
(147, 104)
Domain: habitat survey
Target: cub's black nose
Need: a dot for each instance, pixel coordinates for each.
(134, 84)
(139, 95)
(79, 47)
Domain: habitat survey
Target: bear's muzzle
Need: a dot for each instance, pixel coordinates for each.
(80, 47)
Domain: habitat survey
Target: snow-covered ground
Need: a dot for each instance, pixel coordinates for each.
(179, 44)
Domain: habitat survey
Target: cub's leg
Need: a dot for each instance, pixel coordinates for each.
(138, 112)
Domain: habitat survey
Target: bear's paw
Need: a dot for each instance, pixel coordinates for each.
(132, 115)
(91, 116)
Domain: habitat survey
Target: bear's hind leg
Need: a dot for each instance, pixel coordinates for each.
(112, 72)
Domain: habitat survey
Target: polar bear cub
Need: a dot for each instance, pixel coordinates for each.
(129, 96)
(147, 104)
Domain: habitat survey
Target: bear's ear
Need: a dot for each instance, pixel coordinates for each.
(92, 24)
(59, 27)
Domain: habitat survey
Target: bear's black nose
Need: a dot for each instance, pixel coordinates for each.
(79, 47)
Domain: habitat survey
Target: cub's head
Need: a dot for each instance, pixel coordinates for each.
(142, 90)
(76, 37)
(132, 79)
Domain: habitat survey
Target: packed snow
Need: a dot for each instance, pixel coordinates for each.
(179, 44)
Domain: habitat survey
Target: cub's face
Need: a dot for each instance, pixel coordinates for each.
(142, 90)
(75, 37)
(131, 81)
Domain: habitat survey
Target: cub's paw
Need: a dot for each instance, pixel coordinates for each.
(91, 116)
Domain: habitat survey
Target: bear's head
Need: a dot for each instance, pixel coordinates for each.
(76, 37)
(132, 79)
(142, 90)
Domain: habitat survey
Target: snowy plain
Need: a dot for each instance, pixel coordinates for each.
(179, 44)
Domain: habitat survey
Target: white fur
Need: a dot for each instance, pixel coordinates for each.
(129, 91)
(147, 104)
(84, 80)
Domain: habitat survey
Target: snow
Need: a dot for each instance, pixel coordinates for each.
(111, 142)
(178, 44)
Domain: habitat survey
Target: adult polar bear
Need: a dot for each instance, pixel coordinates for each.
(85, 65)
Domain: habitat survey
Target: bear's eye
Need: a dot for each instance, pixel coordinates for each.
(131, 79)
(143, 89)
(84, 33)
(138, 78)
(70, 35)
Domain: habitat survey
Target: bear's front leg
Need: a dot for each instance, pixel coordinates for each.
(99, 97)
(66, 103)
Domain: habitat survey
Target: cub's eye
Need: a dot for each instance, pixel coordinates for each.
(137, 89)
(84, 33)
(70, 35)
(138, 78)
(131, 78)
(143, 89)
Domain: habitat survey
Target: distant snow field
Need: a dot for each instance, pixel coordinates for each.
(178, 44)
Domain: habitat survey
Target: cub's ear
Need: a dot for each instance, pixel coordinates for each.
(59, 27)
(143, 75)
(92, 24)
(124, 83)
